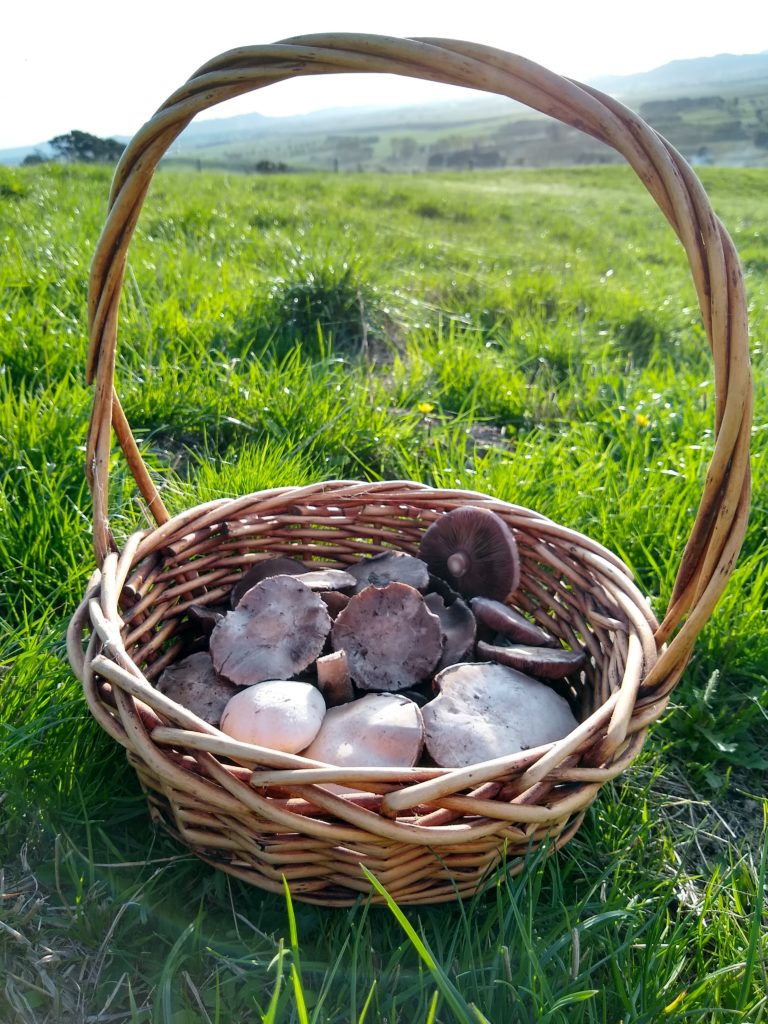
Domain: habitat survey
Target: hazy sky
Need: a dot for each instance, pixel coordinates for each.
(103, 66)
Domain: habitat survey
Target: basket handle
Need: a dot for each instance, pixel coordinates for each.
(720, 523)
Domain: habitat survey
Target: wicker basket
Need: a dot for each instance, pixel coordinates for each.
(429, 834)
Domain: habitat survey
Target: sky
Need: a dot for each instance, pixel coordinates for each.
(103, 66)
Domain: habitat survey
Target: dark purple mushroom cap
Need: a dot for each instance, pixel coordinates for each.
(458, 626)
(500, 618)
(205, 617)
(390, 567)
(280, 565)
(391, 638)
(542, 662)
(474, 550)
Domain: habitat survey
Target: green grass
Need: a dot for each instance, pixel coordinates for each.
(530, 335)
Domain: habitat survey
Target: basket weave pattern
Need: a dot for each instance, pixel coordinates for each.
(429, 834)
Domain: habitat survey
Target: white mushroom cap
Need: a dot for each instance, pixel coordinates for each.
(487, 710)
(280, 714)
(379, 730)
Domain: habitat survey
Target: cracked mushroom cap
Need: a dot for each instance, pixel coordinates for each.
(391, 638)
(276, 631)
(485, 711)
(474, 550)
(381, 730)
(281, 714)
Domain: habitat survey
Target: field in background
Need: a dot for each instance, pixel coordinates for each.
(533, 335)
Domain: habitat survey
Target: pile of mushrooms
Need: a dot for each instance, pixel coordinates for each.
(393, 656)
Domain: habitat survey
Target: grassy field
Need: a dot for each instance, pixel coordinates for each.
(529, 334)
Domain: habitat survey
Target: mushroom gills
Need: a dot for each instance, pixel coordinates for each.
(474, 551)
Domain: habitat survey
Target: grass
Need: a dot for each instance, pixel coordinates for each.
(530, 335)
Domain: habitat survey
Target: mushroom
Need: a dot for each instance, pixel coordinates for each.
(390, 567)
(327, 580)
(458, 628)
(276, 631)
(205, 617)
(391, 638)
(500, 617)
(277, 713)
(280, 565)
(335, 601)
(487, 711)
(474, 550)
(194, 683)
(379, 730)
(544, 662)
(333, 678)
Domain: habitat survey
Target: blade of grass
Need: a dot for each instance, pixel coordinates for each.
(464, 1012)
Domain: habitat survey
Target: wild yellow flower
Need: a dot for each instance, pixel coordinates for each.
(425, 407)
(642, 420)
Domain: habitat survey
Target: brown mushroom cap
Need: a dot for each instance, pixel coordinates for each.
(276, 631)
(474, 550)
(379, 730)
(543, 662)
(194, 683)
(500, 617)
(391, 638)
(280, 565)
(390, 567)
(485, 711)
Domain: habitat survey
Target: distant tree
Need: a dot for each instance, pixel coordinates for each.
(80, 147)
(32, 159)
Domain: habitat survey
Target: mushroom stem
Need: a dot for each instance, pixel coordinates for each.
(458, 563)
